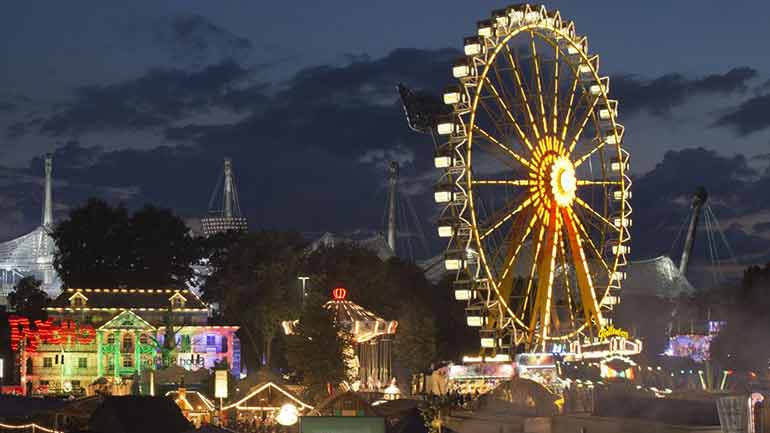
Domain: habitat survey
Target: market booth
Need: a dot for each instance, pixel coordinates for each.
(262, 403)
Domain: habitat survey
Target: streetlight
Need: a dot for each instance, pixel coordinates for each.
(304, 289)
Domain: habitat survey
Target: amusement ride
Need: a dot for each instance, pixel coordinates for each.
(534, 189)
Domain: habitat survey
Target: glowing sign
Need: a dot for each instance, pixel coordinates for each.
(611, 331)
(339, 293)
(48, 333)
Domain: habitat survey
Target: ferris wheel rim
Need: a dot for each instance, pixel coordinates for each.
(469, 176)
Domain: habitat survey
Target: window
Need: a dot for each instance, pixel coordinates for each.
(77, 302)
(224, 344)
(210, 340)
(128, 343)
(111, 338)
(128, 361)
(82, 362)
(48, 362)
(44, 383)
(143, 338)
(75, 384)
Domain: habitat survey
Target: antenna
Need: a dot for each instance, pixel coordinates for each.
(393, 178)
(47, 202)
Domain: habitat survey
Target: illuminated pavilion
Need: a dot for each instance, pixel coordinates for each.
(113, 335)
(372, 336)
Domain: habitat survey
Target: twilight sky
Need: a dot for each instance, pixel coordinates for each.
(141, 100)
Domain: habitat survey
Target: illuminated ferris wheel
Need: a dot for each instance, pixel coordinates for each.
(534, 188)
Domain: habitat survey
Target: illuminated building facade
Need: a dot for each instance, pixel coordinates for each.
(116, 334)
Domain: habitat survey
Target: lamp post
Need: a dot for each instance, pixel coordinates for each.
(304, 289)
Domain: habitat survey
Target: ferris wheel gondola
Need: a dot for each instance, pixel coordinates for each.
(534, 191)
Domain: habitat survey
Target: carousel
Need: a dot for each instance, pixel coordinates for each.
(372, 336)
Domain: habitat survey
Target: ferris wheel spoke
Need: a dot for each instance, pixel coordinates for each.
(539, 82)
(544, 295)
(583, 276)
(508, 215)
(565, 275)
(554, 108)
(532, 272)
(582, 124)
(587, 236)
(593, 212)
(501, 147)
(568, 114)
(512, 259)
(522, 93)
(588, 154)
(583, 182)
(511, 182)
(504, 107)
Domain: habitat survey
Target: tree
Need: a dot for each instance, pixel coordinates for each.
(254, 280)
(414, 347)
(319, 352)
(162, 250)
(101, 246)
(27, 299)
(93, 246)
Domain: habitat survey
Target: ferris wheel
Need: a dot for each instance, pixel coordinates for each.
(534, 190)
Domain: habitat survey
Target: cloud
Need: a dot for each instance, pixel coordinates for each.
(159, 97)
(748, 117)
(658, 96)
(194, 39)
(738, 195)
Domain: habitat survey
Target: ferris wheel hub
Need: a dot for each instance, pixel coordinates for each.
(563, 181)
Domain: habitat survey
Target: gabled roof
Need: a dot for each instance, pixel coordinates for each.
(267, 396)
(135, 299)
(127, 319)
(191, 401)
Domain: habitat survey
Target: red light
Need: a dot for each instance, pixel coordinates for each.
(48, 333)
(339, 293)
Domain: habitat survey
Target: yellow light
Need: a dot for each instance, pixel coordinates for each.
(287, 415)
(563, 181)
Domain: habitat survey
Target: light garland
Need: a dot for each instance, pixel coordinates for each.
(32, 425)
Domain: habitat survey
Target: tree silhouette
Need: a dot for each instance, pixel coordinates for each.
(27, 299)
(101, 246)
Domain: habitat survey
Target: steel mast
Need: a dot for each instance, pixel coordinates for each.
(393, 178)
(699, 198)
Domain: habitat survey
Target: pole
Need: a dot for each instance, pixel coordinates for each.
(392, 206)
(698, 200)
(47, 203)
(228, 188)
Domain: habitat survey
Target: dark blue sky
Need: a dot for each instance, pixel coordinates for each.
(142, 99)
